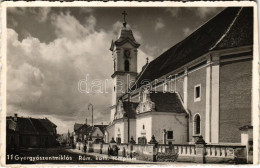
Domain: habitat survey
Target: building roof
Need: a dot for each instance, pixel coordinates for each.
(33, 125)
(101, 127)
(26, 126)
(77, 126)
(126, 35)
(39, 127)
(87, 129)
(47, 124)
(130, 108)
(233, 27)
(84, 129)
(167, 102)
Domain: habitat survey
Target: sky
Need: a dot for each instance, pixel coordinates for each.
(49, 50)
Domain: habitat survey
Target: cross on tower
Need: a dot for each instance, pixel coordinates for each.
(124, 13)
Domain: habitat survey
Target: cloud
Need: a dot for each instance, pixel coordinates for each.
(187, 31)
(173, 11)
(43, 14)
(201, 12)
(39, 13)
(159, 24)
(43, 78)
(86, 10)
(16, 10)
(11, 22)
(66, 25)
(204, 12)
(141, 59)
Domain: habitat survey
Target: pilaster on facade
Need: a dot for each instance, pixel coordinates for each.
(215, 98)
(208, 101)
(185, 89)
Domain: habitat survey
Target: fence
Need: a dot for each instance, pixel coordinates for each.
(199, 152)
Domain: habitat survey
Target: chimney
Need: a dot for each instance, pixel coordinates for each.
(15, 117)
(86, 121)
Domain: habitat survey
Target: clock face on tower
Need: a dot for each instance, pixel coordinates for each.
(127, 53)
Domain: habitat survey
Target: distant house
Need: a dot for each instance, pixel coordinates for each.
(85, 131)
(29, 132)
(77, 126)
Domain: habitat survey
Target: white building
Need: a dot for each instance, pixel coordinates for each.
(199, 87)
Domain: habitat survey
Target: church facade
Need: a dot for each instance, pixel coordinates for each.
(199, 87)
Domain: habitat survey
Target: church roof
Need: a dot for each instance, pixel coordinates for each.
(126, 35)
(167, 102)
(233, 27)
(130, 108)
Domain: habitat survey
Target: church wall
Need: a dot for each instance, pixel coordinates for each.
(146, 120)
(133, 128)
(114, 96)
(170, 122)
(111, 132)
(179, 86)
(132, 60)
(119, 130)
(235, 99)
(112, 114)
(120, 83)
(197, 77)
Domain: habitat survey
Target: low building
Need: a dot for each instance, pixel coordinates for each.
(83, 133)
(29, 132)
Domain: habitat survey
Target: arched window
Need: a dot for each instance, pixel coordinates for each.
(197, 124)
(126, 65)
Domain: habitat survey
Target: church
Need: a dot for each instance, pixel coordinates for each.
(202, 86)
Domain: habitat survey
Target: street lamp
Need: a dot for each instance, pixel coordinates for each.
(92, 111)
(128, 117)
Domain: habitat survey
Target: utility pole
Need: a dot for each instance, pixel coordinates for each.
(128, 120)
(92, 111)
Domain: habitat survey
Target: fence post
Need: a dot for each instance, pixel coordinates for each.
(200, 146)
(155, 145)
(247, 139)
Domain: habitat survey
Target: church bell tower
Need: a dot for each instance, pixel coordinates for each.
(125, 63)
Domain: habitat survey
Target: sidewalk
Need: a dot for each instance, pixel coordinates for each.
(105, 156)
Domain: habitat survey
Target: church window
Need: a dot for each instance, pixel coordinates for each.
(197, 124)
(143, 127)
(197, 93)
(169, 134)
(126, 65)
